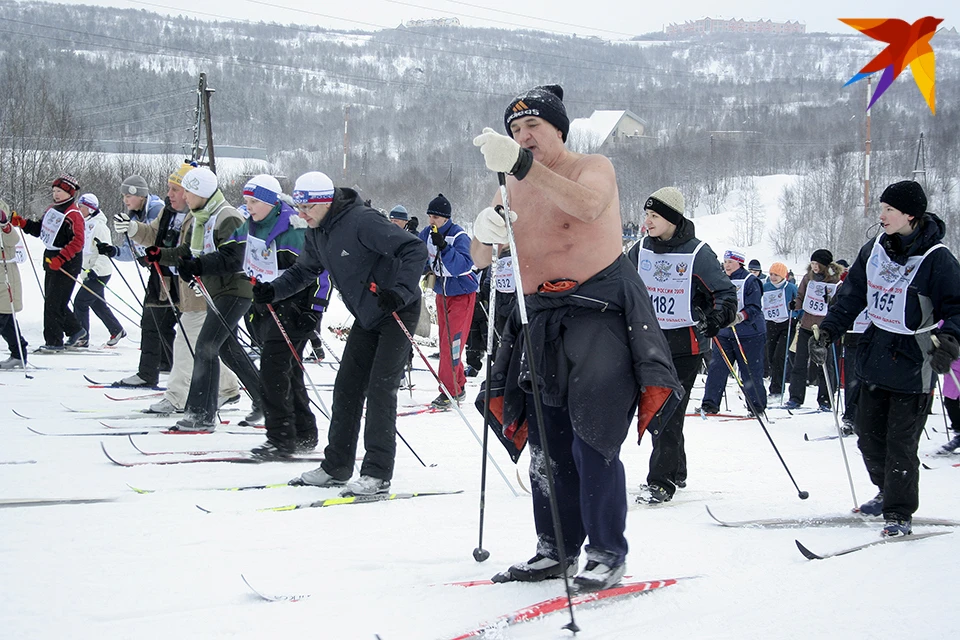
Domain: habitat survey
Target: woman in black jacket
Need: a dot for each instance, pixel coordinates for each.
(693, 299)
(908, 281)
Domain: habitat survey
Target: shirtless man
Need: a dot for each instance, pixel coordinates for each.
(606, 338)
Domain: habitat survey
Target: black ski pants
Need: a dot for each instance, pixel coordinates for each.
(286, 404)
(889, 426)
(668, 460)
(92, 298)
(157, 331)
(778, 353)
(952, 405)
(58, 319)
(218, 340)
(8, 331)
(373, 360)
(798, 378)
(591, 492)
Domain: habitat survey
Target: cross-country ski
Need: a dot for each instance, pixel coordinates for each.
(810, 555)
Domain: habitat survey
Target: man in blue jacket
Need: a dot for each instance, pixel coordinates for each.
(448, 246)
(749, 331)
(376, 266)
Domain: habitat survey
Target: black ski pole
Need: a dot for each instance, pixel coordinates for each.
(98, 297)
(786, 357)
(480, 554)
(803, 495)
(538, 407)
(23, 238)
(296, 356)
(453, 404)
(126, 282)
(166, 292)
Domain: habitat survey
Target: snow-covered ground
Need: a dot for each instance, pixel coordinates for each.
(155, 566)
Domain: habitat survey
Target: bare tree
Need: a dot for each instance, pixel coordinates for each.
(749, 218)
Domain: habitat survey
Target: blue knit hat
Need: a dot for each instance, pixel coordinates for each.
(399, 212)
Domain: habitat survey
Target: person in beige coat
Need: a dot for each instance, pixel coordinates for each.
(193, 309)
(11, 294)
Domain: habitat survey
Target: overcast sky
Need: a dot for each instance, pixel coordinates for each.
(613, 19)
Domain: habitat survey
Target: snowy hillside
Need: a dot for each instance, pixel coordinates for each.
(154, 566)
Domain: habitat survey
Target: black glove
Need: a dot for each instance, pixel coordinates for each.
(793, 305)
(153, 254)
(105, 249)
(189, 268)
(709, 326)
(263, 292)
(943, 355)
(439, 241)
(817, 346)
(389, 300)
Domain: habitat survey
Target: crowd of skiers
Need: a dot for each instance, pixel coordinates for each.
(603, 338)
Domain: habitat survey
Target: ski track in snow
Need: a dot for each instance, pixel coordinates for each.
(154, 566)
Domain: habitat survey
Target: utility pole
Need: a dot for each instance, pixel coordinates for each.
(346, 123)
(205, 93)
(866, 156)
(920, 164)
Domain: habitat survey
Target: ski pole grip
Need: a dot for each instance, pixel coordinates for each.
(816, 331)
(502, 178)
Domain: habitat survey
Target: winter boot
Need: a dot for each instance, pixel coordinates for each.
(254, 418)
(133, 381)
(116, 338)
(653, 494)
(224, 401)
(443, 402)
(946, 450)
(895, 526)
(163, 407)
(271, 451)
(79, 339)
(317, 478)
(791, 405)
(537, 568)
(597, 576)
(12, 363)
(708, 408)
(873, 506)
(49, 348)
(366, 486)
(194, 424)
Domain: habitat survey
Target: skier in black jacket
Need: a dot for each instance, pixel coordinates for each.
(908, 281)
(693, 299)
(376, 267)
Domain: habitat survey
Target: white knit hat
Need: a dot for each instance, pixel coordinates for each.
(312, 188)
(90, 201)
(200, 182)
(263, 187)
(668, 203)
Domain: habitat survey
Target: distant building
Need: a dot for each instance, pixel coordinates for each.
(605, 127)
(433, 22)
(707, 26)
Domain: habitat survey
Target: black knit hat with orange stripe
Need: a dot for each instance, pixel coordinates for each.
(545, 101)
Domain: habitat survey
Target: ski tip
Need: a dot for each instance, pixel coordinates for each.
(141, 491)
(809, 555)
(806, 437)
(205, 511)
(710, 513)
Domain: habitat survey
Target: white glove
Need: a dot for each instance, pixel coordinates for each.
(123, 224)
(502, 153)
(737, 319)
(490, 227)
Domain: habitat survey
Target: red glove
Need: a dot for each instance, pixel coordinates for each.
(17, 221)
(55, 263)
(153, 254)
